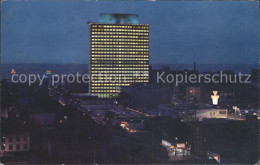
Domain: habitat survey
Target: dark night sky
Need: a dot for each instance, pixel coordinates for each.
(180, 32)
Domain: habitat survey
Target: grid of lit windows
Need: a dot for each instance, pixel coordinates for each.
(119, 56)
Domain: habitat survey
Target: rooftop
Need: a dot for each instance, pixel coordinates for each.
(118, 18)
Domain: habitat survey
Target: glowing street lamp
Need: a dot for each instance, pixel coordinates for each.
(215, 98)
(13, 71)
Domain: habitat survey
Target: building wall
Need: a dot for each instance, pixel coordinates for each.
(43, 119)
(148, 97)
(193, 92)
(199, 114)
(211, 113)
(166, 110)
(16, 142)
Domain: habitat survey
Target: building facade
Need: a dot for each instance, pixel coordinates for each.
(119, 54)
(193, 93)
(14, 142)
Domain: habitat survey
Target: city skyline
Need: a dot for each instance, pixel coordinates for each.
(131, 82)
(181, 32)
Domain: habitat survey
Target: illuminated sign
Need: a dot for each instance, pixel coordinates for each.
(166, 143)
(215, 98)
(180, 145)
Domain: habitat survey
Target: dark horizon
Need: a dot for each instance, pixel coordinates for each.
(149, 64)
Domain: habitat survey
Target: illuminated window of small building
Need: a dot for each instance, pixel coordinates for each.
(222, 112)
(11, 147)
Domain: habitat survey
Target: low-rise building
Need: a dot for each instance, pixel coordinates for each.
(12, 143)
(191, 113)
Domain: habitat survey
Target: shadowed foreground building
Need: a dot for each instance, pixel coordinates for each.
(119, 54)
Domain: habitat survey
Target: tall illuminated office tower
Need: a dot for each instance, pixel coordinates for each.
(119, 49)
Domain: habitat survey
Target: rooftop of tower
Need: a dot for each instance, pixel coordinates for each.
(118, 18)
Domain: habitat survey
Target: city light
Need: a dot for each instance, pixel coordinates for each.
(215, 98)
